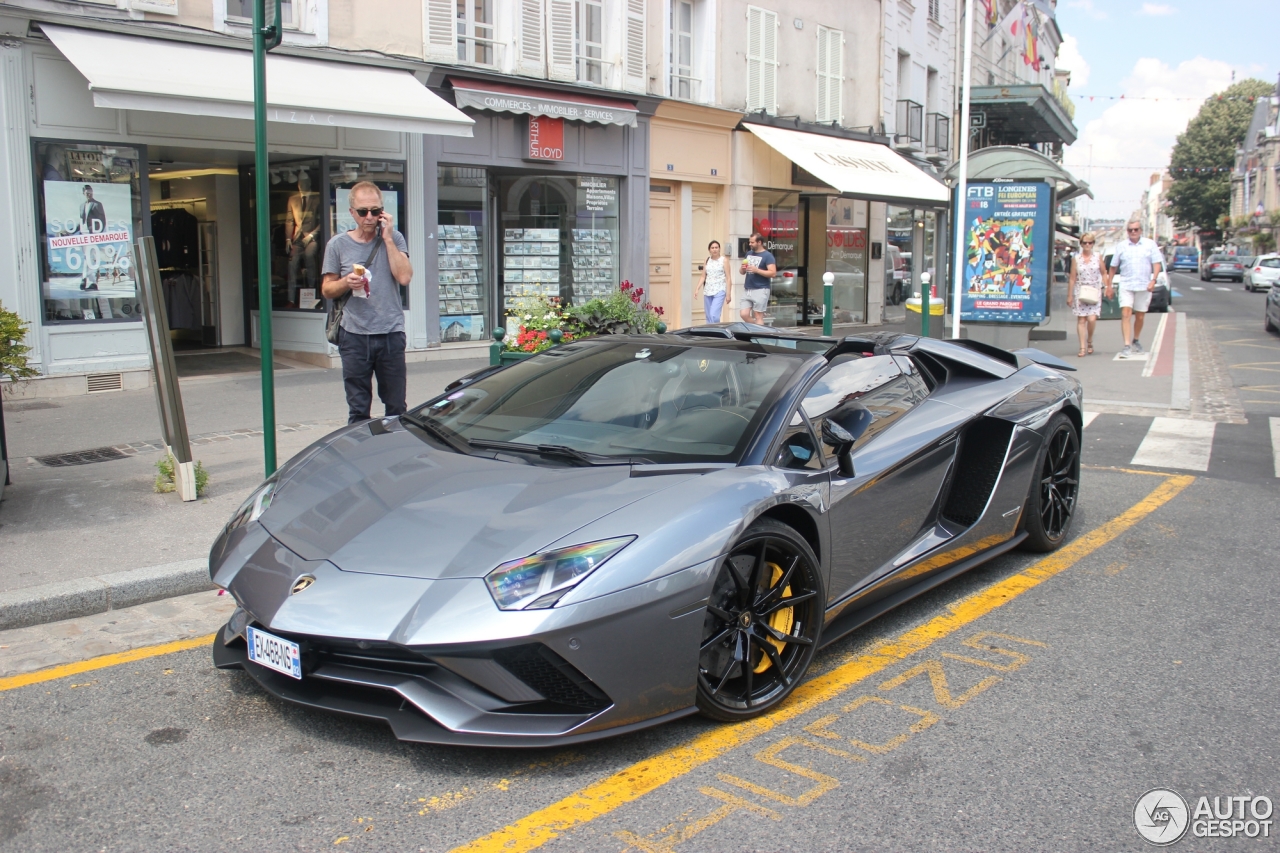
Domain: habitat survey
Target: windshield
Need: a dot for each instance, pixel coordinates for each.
(1184, 251)
(657, 402)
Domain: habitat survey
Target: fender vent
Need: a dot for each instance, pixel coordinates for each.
(105, 382)
(980, 458)
(552, 676)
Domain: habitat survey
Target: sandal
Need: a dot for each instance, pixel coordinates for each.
(1080, 354)
(1090, 347)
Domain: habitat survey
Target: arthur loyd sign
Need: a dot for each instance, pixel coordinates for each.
(546, 138)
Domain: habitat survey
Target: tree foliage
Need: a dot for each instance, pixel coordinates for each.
(13, 352)
(1204, 155)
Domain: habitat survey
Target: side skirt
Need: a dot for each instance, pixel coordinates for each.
(848, 622)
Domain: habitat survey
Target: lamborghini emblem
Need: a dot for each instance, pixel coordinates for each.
(302, 583)
(704, 364)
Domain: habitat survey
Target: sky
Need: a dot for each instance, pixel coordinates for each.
(1148, 51)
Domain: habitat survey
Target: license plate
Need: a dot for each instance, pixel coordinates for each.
(274, 653)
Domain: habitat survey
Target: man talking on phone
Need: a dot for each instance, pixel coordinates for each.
(366, 267)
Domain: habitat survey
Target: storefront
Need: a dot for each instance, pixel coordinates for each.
(830, 200)
(548, 199)
(102, 151)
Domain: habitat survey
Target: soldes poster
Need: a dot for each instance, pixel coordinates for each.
(88, 227)
(1009, 249)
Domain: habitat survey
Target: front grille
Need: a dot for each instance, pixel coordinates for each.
(552, 676)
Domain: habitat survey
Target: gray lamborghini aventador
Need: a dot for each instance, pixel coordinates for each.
(628, 529)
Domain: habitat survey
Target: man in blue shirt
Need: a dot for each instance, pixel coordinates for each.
(759, 267)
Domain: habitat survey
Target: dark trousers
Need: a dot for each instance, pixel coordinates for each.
(366, 356)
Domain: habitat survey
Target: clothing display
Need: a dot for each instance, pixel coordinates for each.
(302, 230)
(182, 301)
(177, 236)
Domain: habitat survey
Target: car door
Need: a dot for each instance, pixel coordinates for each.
(899, 464)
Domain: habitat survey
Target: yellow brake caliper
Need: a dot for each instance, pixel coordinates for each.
(781, 621)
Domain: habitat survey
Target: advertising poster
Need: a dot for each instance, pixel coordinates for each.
(1008, 254)
(470, 328)
(342, 205)
(89, 232)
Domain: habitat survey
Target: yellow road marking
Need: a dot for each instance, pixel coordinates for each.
(62, 671)
(631, 783)
(1145, 473)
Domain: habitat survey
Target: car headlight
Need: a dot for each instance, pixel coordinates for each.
(255, 505)
(539, 581)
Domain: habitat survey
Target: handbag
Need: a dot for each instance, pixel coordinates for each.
(1089, 294)
(333, 326)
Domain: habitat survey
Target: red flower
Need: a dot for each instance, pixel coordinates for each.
(626, 285)
(658, 308)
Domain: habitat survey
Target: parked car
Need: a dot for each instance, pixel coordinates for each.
(895, 275)
(1160, 296)
(1184, 258)
(1271, 313)
(1262, 273)
(1222, 266)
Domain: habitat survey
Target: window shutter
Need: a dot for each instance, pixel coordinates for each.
(441, 35)
(835, 79)
(769, 55)
(823, 79)
(560, 58)
(635, 73)
(531, 59)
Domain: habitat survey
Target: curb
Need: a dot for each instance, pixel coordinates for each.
(53, 602)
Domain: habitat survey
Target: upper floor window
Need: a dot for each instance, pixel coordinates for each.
(762, 60)
(588, 41)
(935, 11)
(682, 81)
(242, 11)
(830, 75)
(475, 32)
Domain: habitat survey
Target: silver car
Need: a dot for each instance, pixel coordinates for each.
(624, 530)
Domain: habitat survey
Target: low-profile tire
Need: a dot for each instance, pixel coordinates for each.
(1055, 487)
(1267, 325)
(763, 621)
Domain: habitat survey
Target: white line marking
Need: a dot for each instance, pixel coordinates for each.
(1275, 441)
(1196, 288)
(1137, 356)
(1088, 417)
(1176, 443)
(1180, 394)
(1155, 348)
(1225, 289)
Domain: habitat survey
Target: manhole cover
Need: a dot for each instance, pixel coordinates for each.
(84, 457)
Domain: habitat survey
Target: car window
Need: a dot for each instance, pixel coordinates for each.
(877, 382)
(1270, 263)
(1218, 258)
(799, 450)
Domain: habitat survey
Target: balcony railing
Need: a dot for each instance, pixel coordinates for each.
(909, 124)
(597, 72)
(686, 88)
(486, 53)
(937, 133)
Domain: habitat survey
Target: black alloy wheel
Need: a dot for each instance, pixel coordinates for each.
(1052, 502)
(762, 624)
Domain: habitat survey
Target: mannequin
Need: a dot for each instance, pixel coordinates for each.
(302, 237)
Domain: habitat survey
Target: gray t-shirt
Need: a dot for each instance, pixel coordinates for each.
(383, 311)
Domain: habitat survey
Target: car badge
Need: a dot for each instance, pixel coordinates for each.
(302, 583)
(704, 364)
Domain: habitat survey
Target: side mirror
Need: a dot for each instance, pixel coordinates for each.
(841, 430)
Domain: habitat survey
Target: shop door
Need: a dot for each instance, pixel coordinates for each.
(705, 223)
(664, 238)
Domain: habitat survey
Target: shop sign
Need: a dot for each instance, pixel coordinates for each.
(88, 230)
(1009, 248)
(546, 138)
(597, 196)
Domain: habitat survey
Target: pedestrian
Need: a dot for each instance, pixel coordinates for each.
(1088, 274)
(759, 267)
(716, 283)
(1136, 263)
(366, 267)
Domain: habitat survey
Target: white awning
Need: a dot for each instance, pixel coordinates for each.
(863, 169)
(136, 73)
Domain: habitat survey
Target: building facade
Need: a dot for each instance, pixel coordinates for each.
(1154, 210)
(1255, 180)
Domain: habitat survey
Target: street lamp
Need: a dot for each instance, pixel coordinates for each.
(267, 34)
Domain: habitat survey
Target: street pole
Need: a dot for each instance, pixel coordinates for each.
(962, 185)
(828, 281)
(265, 37)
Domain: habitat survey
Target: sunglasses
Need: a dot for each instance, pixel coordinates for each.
(1134, 230)
(1086, 242)
(366, 211)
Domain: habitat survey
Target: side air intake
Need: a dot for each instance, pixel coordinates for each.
(980, 456)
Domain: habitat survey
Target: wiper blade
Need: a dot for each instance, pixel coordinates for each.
(560, 450)
(440, 433)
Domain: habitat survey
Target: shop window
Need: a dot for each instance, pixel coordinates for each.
(389, 177)
(846, 258)
(296, 217)
(461, 256)
(776, 215)
(90, 204)
(559, 239)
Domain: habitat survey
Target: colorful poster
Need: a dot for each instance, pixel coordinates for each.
(89, 235)
(1009, 247)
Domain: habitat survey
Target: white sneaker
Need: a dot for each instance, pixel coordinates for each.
(1126, 352)
(1137, 347)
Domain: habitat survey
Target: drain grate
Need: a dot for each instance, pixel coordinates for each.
(105, 382)
(84, 457)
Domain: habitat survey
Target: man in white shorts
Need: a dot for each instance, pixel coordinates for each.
(1134, 268)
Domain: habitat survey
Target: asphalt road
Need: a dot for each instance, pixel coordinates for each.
(1024, 706)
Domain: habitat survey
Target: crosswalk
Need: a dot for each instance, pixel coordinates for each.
(1244, 452)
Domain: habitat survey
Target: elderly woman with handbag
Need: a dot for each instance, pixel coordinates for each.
(1086, 281)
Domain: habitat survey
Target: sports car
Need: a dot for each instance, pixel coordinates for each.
(626, 529)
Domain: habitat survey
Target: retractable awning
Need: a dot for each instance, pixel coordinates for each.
(504, 98)
(136, 73)
(864, 169)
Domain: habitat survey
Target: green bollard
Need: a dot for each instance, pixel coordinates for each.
(495, 348)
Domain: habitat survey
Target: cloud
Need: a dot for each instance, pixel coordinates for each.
(1141, 133)
(1157, 9)
(1069, 59)
(1089, 9)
